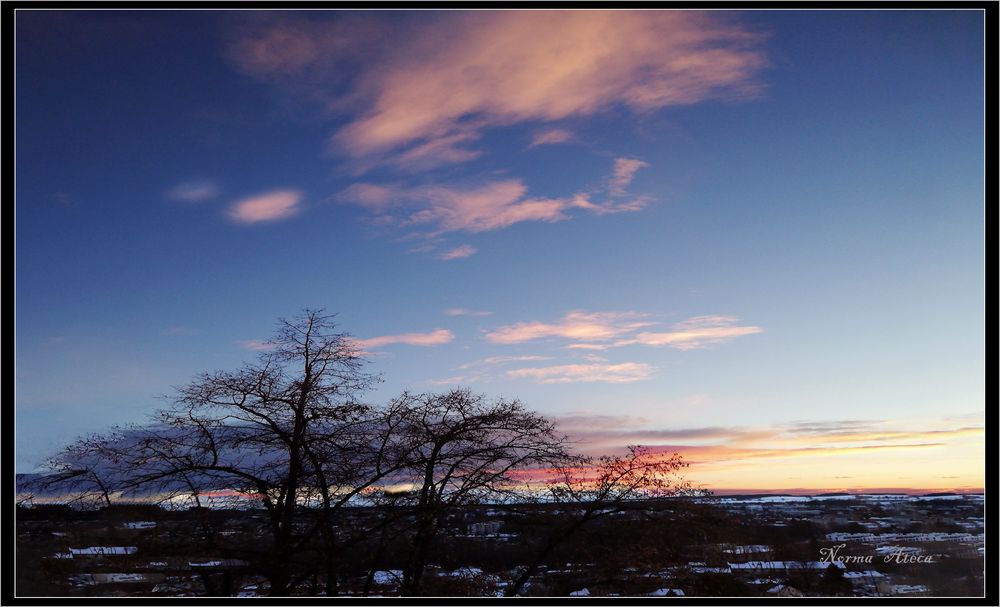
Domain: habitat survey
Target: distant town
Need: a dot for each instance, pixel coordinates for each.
(764, 545)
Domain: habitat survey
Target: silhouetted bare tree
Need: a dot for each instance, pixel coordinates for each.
(269, 430)
(290, 432)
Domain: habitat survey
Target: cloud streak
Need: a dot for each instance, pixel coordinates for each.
(694, 333)
(467, 312)
(460, 252)
(272, 206)
(193, 191)
(621, 373)
(575, 325)
(623, 173)
(256, 345)
(436, 337)
(499, 360)
(550, 137)
(727, 442)
(617, 329)
(493, 205)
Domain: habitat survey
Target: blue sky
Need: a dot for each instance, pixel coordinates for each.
(676, 227)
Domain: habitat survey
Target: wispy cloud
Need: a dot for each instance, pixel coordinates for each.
(733, 442)
(429, 97)
(480, 208)
(624, 171)
(193, 191)
(694, 333)
(597, 347)
(871, 433)
(617, 329)
(272, 206)
(702, 454)
(587, 421)
(459, 252)
(467, 312)
(432, 338)
(455, 380)
(620, 373)
(432, 93)
(256, 345)
(372, 196)
(550, 136)
(499, 360)
(576, 325)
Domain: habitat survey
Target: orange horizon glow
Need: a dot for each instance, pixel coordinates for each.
(807, 458)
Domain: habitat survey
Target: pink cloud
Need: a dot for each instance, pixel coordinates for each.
(562, 374)
(458, 253)
(427, 89)
(499, 360)
(370, 195)
(462, 73)
(624, 171)
(286, 48)
(433, 338)
(694, 333)
(491, 206)
(575, 325)
(550, 137)
(603, 330)
(271, 206)
(256, 345)
(283, 48)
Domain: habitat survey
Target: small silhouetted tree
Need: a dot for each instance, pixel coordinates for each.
(590, 489)
(88, 472)
(465, 449)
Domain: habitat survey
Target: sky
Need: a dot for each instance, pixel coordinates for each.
(755, 238)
